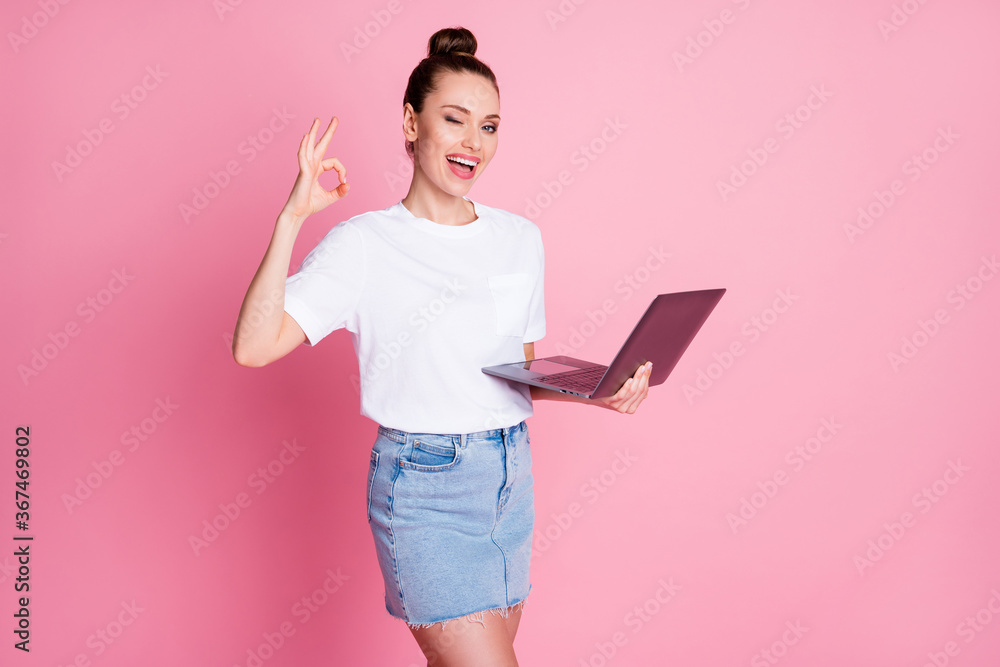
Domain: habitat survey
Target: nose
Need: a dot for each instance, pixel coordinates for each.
(472, 141)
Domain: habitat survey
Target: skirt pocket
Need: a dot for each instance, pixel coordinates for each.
(431, 453)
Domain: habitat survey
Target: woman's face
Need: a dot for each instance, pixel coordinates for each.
(459, 121)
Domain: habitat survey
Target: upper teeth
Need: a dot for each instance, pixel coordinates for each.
(462, 160)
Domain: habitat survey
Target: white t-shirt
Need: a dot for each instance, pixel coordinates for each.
(428, 305)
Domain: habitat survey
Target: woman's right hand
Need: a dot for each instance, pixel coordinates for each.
(308, 196)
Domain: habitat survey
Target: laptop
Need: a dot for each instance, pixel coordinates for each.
(662, 335)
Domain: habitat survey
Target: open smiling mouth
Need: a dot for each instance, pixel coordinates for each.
(461, 167)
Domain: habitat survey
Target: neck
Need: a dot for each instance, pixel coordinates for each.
(425, 200)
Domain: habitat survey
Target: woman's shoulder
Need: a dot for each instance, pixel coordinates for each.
(361, 222)
(394, 210)
(509, 220)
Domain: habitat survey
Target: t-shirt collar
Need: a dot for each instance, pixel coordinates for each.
(452, 231)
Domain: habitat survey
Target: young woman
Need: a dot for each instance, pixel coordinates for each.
(431, 289)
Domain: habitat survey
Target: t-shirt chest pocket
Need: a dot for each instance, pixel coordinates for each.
(511, 300)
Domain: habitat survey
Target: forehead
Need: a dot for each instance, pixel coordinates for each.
(472, 91)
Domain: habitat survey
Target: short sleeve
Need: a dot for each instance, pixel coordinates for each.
(323, 295)
(536, 307)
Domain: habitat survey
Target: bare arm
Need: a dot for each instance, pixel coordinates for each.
(626, 400)
(264, 332)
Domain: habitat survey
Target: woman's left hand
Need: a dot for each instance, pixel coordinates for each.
(632, 392)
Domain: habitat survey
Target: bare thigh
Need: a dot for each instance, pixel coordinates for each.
(513, 621)
(466, 642)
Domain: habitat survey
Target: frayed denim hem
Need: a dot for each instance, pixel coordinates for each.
(476, 616)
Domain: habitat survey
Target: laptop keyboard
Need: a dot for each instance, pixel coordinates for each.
(584, 380)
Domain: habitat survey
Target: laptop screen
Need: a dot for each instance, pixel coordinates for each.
(547, 367)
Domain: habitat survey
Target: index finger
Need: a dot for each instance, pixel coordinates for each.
(327, 136)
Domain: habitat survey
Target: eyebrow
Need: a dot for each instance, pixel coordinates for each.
(466, 111)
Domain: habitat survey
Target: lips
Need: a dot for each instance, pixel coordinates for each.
(462, 165)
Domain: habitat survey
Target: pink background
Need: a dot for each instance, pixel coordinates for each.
(635, 565)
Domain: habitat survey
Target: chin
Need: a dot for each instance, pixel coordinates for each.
(458, 189)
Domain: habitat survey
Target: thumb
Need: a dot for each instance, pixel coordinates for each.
(341, 190)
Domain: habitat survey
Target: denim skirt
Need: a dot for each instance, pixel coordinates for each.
(452, 516)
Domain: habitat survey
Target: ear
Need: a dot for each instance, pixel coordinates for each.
(409, 122)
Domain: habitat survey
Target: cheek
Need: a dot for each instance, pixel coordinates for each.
(428, 145)
(435, 140)
(445, 136)
(490, 145)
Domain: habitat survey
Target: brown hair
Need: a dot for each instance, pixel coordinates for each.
(448, 50)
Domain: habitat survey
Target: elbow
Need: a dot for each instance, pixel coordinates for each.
(246, 358)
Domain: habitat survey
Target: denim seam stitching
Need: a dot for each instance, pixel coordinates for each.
(371, 483)
(392, 536)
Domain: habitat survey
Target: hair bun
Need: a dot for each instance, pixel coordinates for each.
(452, 41)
